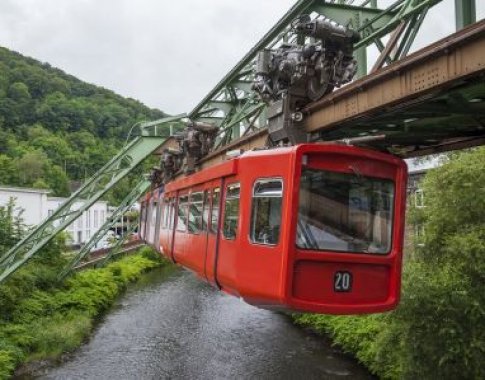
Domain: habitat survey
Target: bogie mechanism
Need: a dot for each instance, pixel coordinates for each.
(286, 78)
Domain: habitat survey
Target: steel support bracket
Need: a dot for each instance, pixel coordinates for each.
(125, 206)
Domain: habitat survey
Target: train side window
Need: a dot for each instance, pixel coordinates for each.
(166, 211)
(160, 212)
(205, 211)
(266, 211)
(171, 219)
(216, 196)
(195, 213)
(231, 211)
(182, 214)
(153, 215)
(142, 219)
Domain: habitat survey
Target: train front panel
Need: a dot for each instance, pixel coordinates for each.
(347, 230)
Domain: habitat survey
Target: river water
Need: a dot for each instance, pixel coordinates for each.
(170, 325)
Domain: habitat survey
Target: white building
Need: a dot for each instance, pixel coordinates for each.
(34, 205)
(31, 204)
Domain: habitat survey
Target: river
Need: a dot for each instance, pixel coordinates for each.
(169, 325)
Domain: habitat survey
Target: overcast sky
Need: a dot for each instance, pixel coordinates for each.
(167, 54)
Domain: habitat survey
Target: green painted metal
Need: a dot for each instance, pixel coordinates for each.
(233, 99)
(108, 176)
(465, 13)
(164, 127)
(119, 244)
(114, 218)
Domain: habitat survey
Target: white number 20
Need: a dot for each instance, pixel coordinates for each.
(342, 282)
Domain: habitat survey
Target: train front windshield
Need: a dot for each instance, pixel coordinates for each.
(344, 212)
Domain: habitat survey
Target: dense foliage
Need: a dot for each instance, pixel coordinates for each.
(438, 331)
(55, 128)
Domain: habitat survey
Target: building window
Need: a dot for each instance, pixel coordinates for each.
(79, 237)
(95, 218)
(419, 198)
(231, 211)
(102, 217)
(50, 213)
(266, 211)
(80, 222)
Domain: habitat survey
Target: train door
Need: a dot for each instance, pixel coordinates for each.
(229, 237)
(211, 216)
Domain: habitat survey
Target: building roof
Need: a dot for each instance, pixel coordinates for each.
(24, 190)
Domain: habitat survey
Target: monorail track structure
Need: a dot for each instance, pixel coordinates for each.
(427, 102)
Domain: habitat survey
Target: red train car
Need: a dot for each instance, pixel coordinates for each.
(312, 227)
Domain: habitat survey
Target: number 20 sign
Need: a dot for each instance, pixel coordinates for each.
(342, 281)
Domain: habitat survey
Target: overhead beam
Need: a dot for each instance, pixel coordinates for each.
(448, 61)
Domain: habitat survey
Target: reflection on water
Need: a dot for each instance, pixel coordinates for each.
(171, 325)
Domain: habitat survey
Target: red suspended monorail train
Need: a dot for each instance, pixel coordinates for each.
(312, 227)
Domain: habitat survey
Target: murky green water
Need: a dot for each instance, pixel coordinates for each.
(172, 326)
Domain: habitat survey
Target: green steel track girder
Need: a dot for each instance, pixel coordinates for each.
(119, 243)
(233, 95)
(125, 206)
(164, 127)
(108, 176)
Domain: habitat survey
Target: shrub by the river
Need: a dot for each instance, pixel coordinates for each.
(438, 331)
(40, 321)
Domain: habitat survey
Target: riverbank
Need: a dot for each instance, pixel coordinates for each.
(47, 323)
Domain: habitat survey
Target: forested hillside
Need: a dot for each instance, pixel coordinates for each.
(55, 128)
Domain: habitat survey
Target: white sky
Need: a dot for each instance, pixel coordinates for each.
(167, 54)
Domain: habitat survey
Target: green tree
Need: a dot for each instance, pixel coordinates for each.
(441, 321)
(31, 167)
(19, 91)
(7, 170)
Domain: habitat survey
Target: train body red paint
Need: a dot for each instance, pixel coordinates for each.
(313, 227)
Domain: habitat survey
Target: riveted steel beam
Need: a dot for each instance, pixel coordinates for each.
(123, 207)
